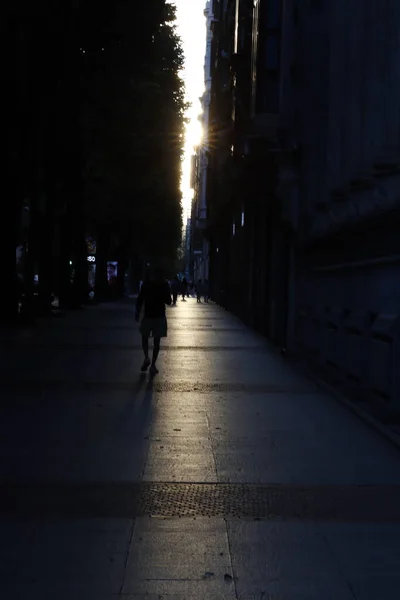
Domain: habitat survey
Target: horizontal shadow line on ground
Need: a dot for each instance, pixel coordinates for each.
(156, 386)
(372, 504)
(172, 313)
(101, 327)
(103, 345)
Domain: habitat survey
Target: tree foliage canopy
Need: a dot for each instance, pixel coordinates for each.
(132, 120)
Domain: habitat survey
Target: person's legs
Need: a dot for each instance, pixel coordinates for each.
(156, 351)
(145, 330)
(160, 331)
(145, 346)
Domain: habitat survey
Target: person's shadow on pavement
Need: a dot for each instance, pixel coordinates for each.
(137, 414)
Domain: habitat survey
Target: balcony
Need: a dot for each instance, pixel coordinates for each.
(201, 218)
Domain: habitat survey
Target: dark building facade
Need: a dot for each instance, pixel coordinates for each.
(250, 236)
(303, 183)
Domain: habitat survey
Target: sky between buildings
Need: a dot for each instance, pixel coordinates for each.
(191, 24)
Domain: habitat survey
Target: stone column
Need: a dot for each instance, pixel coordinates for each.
(352, 90)
(336, 95)
(372, 91)
(391, 65)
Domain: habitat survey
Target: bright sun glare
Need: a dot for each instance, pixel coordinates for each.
(194, 134)
(192, 31)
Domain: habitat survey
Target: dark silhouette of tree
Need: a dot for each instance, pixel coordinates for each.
(42, 145)
(94, 134)
(132, 123)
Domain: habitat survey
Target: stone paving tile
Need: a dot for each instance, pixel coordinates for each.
(55, 592)
(193, 461)
(310, 458)
(107, 433)
(326, 472)
(193, 594)
(180, 457)
(250, 470)
(237, 447)
(368, 556)
(67, 559)
(372, 588)
(288, 561)
(175, 448)
(230, 368)
(75, 468)
(268, 412)
(296, 592)
(181, 429)
(204, 473)
(185, 557)
(296, 447)
(193, 588)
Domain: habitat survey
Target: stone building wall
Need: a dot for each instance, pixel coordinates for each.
(347, 109)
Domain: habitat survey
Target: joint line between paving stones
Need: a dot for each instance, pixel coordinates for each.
(230, 559)
(127, 556)
(212, 442)
(339, 568)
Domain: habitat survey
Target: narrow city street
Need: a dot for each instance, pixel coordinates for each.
(229, 475)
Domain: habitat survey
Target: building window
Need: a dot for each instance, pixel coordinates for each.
(254, 52)
(234, 229)
(269, 57)
(242, 220)
(272, 53)
(273, 14)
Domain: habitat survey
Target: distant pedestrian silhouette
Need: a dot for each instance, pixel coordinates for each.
(206, 290)
(184, 289)
(199, 290)
(175, 290)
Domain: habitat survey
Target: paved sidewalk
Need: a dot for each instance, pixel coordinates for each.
(227, 476)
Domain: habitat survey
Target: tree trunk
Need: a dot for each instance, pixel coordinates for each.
(68, 138)
(137, 272)
(102, 251)
(45, 258)
(64, 267)
(122, 269)
(8, 245)
(15, 77)
(28, 309)
(123, 266)
(80, 284)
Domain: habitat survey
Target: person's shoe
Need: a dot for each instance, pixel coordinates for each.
(145, 365)
(153, 370)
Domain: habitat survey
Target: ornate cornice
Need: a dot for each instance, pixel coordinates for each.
(358, 206)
